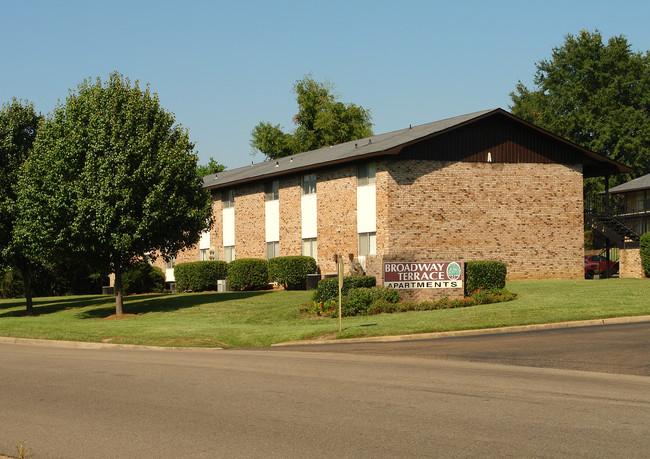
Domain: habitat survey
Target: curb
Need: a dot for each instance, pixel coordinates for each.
(478, 332)
(88, 345)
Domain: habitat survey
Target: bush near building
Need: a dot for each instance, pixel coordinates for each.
(644, 251)
(487, 275)
(142, 277)
(199, 276)
(328, 289)
(248, 274)
(291, 272)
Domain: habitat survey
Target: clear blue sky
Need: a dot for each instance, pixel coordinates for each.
(222, 67)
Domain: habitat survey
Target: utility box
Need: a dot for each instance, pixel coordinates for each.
(108, 290)
(222, 286)
(312, 281)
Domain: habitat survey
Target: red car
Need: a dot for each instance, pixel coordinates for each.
(600, 263)
(590, 269)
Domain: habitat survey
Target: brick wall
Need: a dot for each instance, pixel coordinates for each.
(290, 228)
(527, 215)
(250, 222)
(630, 264)
(336, 192)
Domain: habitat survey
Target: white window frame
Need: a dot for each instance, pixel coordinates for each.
(272, 249)
(170, 263)
(308, 184)
(228, 199)
(229, 253)
(272, 190)
(368, 243)
(366, 173)
(310, 247)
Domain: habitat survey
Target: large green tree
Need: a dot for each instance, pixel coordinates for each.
(112, 178)
(321, 121)
(18, 127)
(596, 95)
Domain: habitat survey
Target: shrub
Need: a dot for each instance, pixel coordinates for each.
(644, 251)
(360, 300)
(328, 289)
(11, 283)
(198, 276)
(142, 278)
(291, 272)
(248, 274)
(485, 275)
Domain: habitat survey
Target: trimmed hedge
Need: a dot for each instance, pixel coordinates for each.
(198, 276)
(485, 275)
(328, 289)
(291, 272)
(142, 278)
(248, 274)
(644, 251)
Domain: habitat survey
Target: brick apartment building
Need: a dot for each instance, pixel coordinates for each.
(485, 185)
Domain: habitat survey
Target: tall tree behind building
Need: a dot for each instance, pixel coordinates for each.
(596, 95)
(321, 121)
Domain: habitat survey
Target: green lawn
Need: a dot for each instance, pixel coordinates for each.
(264, 318)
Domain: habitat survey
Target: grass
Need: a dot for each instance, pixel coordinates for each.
(264, 318)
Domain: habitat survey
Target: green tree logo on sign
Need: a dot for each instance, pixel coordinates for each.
(453, 271)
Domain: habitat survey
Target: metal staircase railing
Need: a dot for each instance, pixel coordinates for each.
(601, 215)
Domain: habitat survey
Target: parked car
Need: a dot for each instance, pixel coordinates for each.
(591, 267)
(601, 263)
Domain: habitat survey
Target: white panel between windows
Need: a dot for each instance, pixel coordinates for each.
(272, 216)
(308, 215)
(228, 226)
(204, 242)
(366, 209)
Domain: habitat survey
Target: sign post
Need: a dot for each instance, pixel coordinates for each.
(339, 270)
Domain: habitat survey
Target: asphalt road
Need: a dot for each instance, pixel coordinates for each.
(620, 349)
(87, 403)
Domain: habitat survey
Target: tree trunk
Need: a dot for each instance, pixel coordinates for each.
(27, 283)
(118, 290)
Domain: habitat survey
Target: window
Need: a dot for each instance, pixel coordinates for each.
(272, 190)
(309, 184)
(366, 174)
(204, 254)
(229, 253)
(228, 199)
(310, 247)
(367, 244)
(272, 249)
(640, 204)
(171, 263)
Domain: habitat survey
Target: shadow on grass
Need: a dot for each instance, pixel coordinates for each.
(51, 305)
(142, 304)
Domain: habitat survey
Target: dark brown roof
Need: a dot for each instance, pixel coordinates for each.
(391, 143)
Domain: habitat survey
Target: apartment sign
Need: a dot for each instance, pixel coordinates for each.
(415, 275)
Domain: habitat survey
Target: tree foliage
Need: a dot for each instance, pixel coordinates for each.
(213, 167)
(321, 121)
(596, 95)
(18, 126)
(112, 177)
